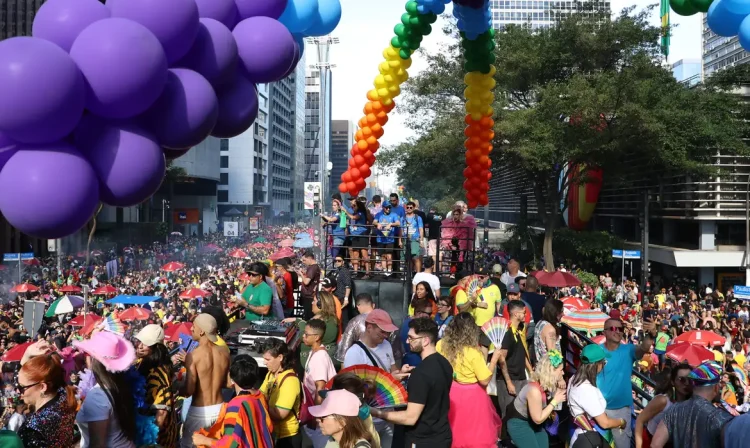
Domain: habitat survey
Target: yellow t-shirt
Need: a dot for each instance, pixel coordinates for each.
(741, 359)
(283, 391)
(718, 356)
(471, 367)
(491, 296)
(461, 298)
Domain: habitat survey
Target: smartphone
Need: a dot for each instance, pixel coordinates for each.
(649, 314)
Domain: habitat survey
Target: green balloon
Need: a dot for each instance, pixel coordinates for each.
(426, 30)
(405, 18)
(400, 30)
(395, 42)
(701, 5)
(404, 54)
(682, 7)
(411, 7)
(414, 21)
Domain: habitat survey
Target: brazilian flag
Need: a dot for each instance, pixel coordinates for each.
(665, 27)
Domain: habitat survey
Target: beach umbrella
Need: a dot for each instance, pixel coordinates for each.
(70, 288)
(105, 290)
(135, 313)
(283, 253)
(172, 266)
(24, 287)
(557, 279)
(575, 304)
(286, 243)
(302, 235)
(303, 244)
(700, 337)
(96, 253)
(78, 320)
(32, 262)
(692, 354)
(16, 353)
(172, 334)
(192, 293)
(66, 304)
(590, 321)
(238, 253)
(176, 234)
(260, 239)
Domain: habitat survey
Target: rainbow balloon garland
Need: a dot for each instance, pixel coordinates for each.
(477, 41)
(726, 18)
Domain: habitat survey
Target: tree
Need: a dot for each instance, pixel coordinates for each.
(587, 92)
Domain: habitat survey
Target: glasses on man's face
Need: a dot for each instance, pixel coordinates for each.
(410, 208)
(339, 260)
(615, 329)
(253, 274)
(23, 389)
(307, 335)
(443, 305)
(410, 338)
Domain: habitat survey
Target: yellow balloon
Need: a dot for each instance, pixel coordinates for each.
(380, 82)
(383, 93)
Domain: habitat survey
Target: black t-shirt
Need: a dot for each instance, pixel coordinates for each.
(516, 358)
(313, 273)
(432, 223)
(536, 302)
(430, 385)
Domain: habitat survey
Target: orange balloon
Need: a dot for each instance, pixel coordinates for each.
(484, 160)
(362, 145)
(374, 147)
(371, 140)
(365, 172)
(382, 118)
(379, 132)
(358, 160)
(389, 107)
(359, 136)
(366, 131)
(468, 120)
(487, 122)
(362, 122)
(355, 173)
(352, 163)
(367, 155)
(368, 108)
(342, 187)
(377, 106)
(352, 188)
(346, 177)
(371, 119)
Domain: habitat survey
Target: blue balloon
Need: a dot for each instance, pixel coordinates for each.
(299, 15)
(744, 33)
(300, 39)
(722, 21)
(326, 19)
(739, 7)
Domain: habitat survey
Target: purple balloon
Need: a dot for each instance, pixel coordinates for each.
(61, 21)
(263, 8)
(124, 66)
(214, 53)
(126, 158)
(7, 148)
(173, 22)
(41, 204)
(185, 113)
(42, 91)
(297, 57)
(238, 107)
(172, 154)
(225, 11)
(266, 48)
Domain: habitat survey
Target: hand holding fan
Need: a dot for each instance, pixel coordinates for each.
(113, 325)
(388, 393)
(495, 329)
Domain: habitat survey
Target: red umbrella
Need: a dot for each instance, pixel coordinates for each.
(238, 253)
(172, 266)
(283, 253)
(32, 262)
(16, 353)
(173, 333)
(700, 337)
(2, 268)
(78, 320)
(257, 246)
(576, 303)
(245, 276)
(557, 279)
(600, 339)
(689, 353)
(24, 287)
(70, 288)
(287, 243)
(105, 290)
(135, 313)
(192, 293)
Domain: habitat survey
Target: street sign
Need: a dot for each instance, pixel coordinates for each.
(231, 228)
(742, 292)
(18, 257)
(629, 254)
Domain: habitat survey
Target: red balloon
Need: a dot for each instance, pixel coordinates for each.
(346, 177)
(371, 160)
(352, 187)
(352, 162)
(472, 203)
(365, 172)
(355, 174)
(483, 199)
(342, 186)
(367, 155)
(361, 184)
(358, 160)
(467, 172)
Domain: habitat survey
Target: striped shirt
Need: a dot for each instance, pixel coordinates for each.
(247, 423)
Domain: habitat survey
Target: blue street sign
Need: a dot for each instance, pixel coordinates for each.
(630, 254)
(27, 256)
(742, 292)
(11, 257)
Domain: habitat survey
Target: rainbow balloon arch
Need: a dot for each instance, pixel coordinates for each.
(477, 42)
(101, 95)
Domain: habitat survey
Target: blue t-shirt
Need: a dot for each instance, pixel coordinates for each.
(336, 229)
(387, 236)
(411, 358)
(614, 379)
(358, 226)
(412, 226)
(398, 210)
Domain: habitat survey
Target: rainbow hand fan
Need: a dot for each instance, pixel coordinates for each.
(474, 287)
(113, 325)
(388, 391)
(495, 329)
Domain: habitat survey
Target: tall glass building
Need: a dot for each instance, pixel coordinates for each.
(720, 52)
(537, 13)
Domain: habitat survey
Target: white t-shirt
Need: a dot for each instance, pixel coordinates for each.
(585, 399)
(383, 354)
(95, 408)
(508, 279)
(319, 367)
(429, 278)
(16, 421)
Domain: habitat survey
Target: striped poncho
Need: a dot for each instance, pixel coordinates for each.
(246, 423)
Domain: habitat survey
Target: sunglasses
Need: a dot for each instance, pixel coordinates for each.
(23, 389)
(339, 260)
(253, 274)
(410, 208)
(616, 329)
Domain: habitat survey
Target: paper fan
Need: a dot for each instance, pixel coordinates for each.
(389, 392)
(495, 329)
(473, 287)
(113, 325)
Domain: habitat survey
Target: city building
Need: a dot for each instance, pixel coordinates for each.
(687, 71)
(17, 16)
(720, 52)
(538, 13)
(244, 165)
(342, 139)
(299, 142)
(281, 141)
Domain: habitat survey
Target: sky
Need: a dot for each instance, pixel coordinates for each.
(365, 31)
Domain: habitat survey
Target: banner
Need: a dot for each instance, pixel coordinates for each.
(253, 224)
(231, 228)
(312, 194)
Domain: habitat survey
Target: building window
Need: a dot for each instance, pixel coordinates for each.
(224, 162)
(222, 196)
(224, 179)
(224, 144)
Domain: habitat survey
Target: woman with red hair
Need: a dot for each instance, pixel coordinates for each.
(41, 385)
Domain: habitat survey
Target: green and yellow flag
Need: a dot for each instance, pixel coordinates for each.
(665, 27)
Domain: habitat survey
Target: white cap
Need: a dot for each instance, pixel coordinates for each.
(151, 334)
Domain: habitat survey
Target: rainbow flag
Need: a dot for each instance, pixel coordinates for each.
(665, 27)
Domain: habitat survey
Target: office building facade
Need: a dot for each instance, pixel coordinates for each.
(17, 16)
(317, 128)
(538, 14)
(281, 143)
(299, 141)
(342, 139)
(687, 71)
(720, 52)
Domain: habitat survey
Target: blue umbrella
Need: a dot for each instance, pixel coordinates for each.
(304, 244)
(302, 235)
(133, 300)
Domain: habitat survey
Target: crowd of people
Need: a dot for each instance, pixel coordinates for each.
(170, 373)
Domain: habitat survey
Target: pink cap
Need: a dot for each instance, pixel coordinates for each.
(337, 402)
(381, 319)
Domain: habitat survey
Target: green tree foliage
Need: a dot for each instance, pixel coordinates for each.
(589, 91)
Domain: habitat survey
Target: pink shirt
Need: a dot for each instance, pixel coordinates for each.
(319, 367)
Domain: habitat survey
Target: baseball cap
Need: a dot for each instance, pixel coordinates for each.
(497, 269)
(207, 324)
(328, 283)
(387, 205)
(150, 335)
(337, 402)
(381, 319)
(593, 353)
(463, 274)
(513, 288)
(706, 374)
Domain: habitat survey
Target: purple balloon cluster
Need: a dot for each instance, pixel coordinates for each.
(100, 94)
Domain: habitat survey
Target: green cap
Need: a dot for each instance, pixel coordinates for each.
(593, 353)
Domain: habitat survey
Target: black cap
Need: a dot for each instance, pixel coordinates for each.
(463, 274)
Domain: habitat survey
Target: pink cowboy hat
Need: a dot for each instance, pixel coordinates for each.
(114, 352)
